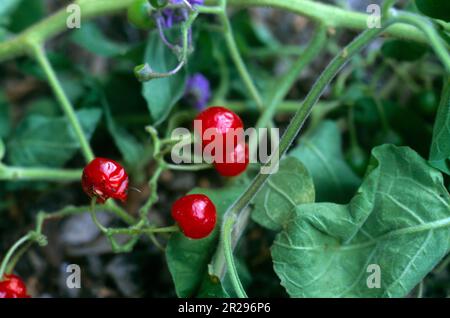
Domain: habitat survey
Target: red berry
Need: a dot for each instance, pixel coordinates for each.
(13, 287)
(220, 119)
(235, 162)
(195, 215)
(104, 179)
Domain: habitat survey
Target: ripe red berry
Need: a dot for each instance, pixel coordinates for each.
(235, 162)
(195, 215)
(218, 118)
(13, 287)
(104, 179)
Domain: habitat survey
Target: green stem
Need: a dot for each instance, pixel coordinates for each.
(94, 216)
(145, 72)
(285, 84)
(15, 259)
(289, 136)
(11, 251)
(330, 15)
(145, 230)
(226, 242)
(67, 107)
(41, 174)
(196, 167)
(237, 58)
(428, 30)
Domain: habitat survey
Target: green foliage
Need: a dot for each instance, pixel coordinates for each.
(4, 117)
(92, 39)
(440, 145)
(403, 50)
(284, 190)
(41, 141)
(399, 220)
(129, 146)
(6, 8)
(438, 9)
(162, 94)
(321, 153)
(25, 14)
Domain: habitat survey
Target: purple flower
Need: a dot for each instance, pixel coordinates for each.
(198, 91)
(191, 2)
(170, 17)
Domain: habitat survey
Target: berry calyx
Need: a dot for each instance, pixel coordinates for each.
(13, 287)
(103, 179)
(195, 215)
(235, 162)
(221, 119)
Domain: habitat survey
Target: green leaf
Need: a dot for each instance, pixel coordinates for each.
(163, 93)
(6, 8)
(128, 145)
(25, 14)
(401, 50)
(48, 142)
(438, 9)
(212, 288)
(440, 144)
(93, 40)
(321, 153)
(284, 190)
(398, 220)
(188, 259)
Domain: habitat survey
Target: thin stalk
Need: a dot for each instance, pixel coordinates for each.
(41, 174)
(66, 106)
(11, 251)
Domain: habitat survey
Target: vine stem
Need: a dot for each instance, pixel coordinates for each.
(289, 136)
(226, 241)
(41, 57)
(237, 58)
(42, 174)
(427, 28)
(11, 251)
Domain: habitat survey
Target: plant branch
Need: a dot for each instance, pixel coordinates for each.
(41, 174)
(39, 54)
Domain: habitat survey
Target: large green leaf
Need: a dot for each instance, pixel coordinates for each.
(440, 145)
(321, 153)
(48, 142)
(284, 190)
(398, 220)
(163, 93)
(188, 259)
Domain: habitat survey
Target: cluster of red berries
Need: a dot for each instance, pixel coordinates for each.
(12, 286)
(195, 213)
(224, 122)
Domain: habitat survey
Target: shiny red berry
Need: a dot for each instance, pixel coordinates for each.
(104, 179)
(221, 119)
(13, 287)
(195, 215)
(235, 162)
